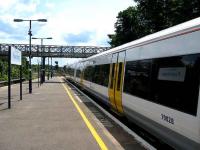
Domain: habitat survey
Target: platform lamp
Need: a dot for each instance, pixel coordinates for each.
(30, 34)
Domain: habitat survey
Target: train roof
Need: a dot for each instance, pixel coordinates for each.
(166, 33)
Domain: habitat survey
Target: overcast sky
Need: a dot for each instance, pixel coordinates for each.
(70, 22)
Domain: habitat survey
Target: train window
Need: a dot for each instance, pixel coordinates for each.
(119, 76)
(171, 81)
(96, 74)
(78, 73)
(130, 72)
(101, 74)
(105, 77)
(88, 73)
(137, 78)
(112, 77)
(175, 82)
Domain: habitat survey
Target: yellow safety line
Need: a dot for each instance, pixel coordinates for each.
(87, 122)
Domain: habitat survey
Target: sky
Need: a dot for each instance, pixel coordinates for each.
(69, 22)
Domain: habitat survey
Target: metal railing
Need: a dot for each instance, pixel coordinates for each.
(54, 50)
(14, 81)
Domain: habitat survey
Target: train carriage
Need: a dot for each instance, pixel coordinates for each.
(153, 81)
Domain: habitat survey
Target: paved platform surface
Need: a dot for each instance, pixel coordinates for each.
(48, 120)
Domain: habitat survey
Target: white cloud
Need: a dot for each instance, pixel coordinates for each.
(26, 8)
(50, 5)
(64, 17)
(7, 4)
(98, 16)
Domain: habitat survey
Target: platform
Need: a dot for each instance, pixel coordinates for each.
(48, 119)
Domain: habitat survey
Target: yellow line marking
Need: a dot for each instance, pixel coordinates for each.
(87, 122)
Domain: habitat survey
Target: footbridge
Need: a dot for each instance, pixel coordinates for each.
(54, 50)
(50, 51)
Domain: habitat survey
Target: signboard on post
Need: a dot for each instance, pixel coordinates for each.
(16, 56)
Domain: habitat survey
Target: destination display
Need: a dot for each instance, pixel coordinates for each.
(172, 74)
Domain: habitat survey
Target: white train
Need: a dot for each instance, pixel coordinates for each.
(153, 81)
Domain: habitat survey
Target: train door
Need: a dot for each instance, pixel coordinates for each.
(112, 77)
(116, 81)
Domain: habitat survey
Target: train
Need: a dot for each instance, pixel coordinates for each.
(153, 81)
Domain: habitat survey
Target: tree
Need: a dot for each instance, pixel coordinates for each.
(15, 69)
(161, 14)
(127, 27)
(150, 16)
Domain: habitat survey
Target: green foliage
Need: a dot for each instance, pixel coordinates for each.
(25, 68)
(15, 69)
(68, 70)
(151, 16)
(127, 27)
(162, 14)
(15, 74)
(3, 69)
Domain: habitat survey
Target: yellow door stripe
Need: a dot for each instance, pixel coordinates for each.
(87, 122)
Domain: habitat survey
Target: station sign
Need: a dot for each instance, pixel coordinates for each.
(16, 56)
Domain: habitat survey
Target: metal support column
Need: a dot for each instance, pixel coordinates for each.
(51, 68)
(38, 69)
(9, 77)
(20, 74)
(43, 69)
(30, 67)
(48, 68)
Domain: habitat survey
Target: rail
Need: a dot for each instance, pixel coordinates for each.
(14, 81)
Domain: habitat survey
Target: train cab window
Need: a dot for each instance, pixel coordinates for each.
(175, 82)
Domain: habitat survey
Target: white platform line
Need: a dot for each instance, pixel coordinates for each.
(78, 99)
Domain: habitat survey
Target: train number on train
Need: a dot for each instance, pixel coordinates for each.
(167, 118)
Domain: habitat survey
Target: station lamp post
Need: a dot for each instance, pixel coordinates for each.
(30, 34)
(43, 58)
